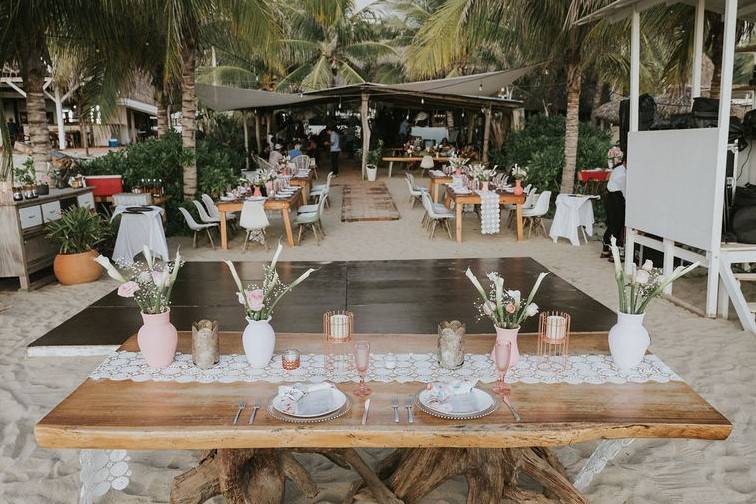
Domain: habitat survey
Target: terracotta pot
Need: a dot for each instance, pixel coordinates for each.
(518, 187)
(71, 269)
(157, 339)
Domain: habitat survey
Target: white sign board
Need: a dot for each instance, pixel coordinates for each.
(671, 182)
(430, 133)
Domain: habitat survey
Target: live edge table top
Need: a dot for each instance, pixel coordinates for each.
(106, 414)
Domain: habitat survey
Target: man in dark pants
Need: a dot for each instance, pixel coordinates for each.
(615, 209)
(334, 143)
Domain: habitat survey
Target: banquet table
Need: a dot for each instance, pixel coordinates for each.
(128, 407)
(573, 212)
(409, 160)
(136, 231)
(473, 198)
(305, 182)
(282, 205)
(436, 181)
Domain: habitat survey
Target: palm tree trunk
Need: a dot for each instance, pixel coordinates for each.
(571, 124)
(162, 114)
(83, 133)
(39, 132)
(716, 34)
(188, 119)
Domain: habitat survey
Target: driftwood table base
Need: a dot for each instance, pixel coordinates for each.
(245, 476)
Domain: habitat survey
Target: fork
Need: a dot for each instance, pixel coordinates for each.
(254, 411)
(241, 405)
(408, 404)
(395, 405)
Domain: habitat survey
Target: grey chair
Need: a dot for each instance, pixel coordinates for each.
(436, 215)
(196, 227)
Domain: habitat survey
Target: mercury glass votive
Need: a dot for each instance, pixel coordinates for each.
(205, 344)
(291, 359)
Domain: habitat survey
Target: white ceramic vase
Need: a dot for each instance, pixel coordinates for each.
(259, 340)
(628, 340)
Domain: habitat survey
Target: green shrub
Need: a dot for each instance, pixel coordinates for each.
(540, 147)
(78, 230)
(215, 170)
(225, 133)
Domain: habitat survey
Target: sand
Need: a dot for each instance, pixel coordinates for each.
(715, 356)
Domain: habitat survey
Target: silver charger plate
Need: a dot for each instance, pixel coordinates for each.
(273, 412)
(495, 403)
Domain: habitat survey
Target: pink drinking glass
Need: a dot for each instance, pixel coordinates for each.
(361, 362)
(502, 356)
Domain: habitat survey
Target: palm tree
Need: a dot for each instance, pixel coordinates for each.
(533, 30)
(329, 42)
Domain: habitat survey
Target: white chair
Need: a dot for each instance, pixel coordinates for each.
(254, 221)
(312, 219)
(302, 162)
(319, 189)
(314, 167)
(436, 215)
(194, 226)
(534, 216)
(415, 191)
(313, 207)
(530, 200)
(203, 215)
(264, 164)
(426, 164)
(213, 211)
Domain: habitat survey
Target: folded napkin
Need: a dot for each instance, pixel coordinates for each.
(290, 395)
(444, 396)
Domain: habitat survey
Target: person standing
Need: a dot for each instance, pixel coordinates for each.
(334, 143)
(615, 209)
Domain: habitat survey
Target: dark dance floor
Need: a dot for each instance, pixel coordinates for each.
(410, 296)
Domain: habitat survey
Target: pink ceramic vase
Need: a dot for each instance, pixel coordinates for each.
(484, 185)
(258, 192)
(518, 187)
(508, 336)
(157, 339)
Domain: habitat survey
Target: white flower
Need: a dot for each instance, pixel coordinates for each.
(642, 277)
(112, 272)
(531, 309)
(240, 297)
(648, 265)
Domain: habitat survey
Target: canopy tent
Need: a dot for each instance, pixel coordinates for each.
(469, 92)
(676, 178)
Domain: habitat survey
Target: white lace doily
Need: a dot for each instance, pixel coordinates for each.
(489, 212)
(410, 367)
(102, 470)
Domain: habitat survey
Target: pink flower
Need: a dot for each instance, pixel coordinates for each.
(128, 289)
(255, 299)
(510, 308)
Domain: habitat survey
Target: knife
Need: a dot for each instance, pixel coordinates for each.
(365, 413)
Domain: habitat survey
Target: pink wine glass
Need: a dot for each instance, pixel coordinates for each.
(361, 362)
(502, 357)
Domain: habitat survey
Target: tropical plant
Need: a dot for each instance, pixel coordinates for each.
(328, 42)
(149, 282)
(644, 284)
(216, 169)
(260, 301)
(25, 173)
(78, 230)
(505, 308)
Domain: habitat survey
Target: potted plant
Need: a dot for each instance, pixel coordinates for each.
(26, 178)
(259, 302)
(628, 339)
(150, 283)
(77, 233)
(519, 173)
(43, 186)
(373, 158)
(505, 308)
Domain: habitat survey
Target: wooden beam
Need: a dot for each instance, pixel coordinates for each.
(486, 133)
(257, 133)
(364, 111)
(246, 134)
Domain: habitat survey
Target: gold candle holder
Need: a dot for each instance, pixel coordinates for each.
(337, 336)
(553, 340)
(290, 359)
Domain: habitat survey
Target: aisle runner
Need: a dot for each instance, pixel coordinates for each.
(489, 212)
(368, 202)
(417, 367)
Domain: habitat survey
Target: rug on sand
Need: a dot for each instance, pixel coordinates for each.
(368, 202)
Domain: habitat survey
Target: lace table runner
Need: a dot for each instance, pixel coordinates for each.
(489, 212)
(410, 367)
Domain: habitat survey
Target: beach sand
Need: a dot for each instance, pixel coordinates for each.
(714, 356)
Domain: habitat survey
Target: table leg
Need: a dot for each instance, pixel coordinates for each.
(102, 470)
(458, 222)
(305, 193)
(287, 226)
(519, 222)
(223, 230)
(606, 450)
(391, 167)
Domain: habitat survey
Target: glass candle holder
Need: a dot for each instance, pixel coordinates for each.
(553, 340)
(291, 359)
(205, 344)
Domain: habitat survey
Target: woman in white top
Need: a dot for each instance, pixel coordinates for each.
(615, 208)
(275, 155)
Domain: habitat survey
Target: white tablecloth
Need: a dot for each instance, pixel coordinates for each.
(138, 230)
(572, 211)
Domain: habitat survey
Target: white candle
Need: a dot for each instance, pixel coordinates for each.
(556, 327)
(339, 326)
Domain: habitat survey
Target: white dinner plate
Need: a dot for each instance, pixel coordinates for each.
(472, 403)
(314, 404)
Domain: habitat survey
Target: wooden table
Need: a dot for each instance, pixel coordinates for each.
(410, 159)
(473, 198)
(305, 183)
(151, 415)
(436, 182)
(284, 205)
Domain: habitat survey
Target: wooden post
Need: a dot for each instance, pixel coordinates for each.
(698, 34)
(364, 110)
(486, 133)
(59, 119)
(470, 129)
(246, 135)
(634, 95)
(257, 133)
